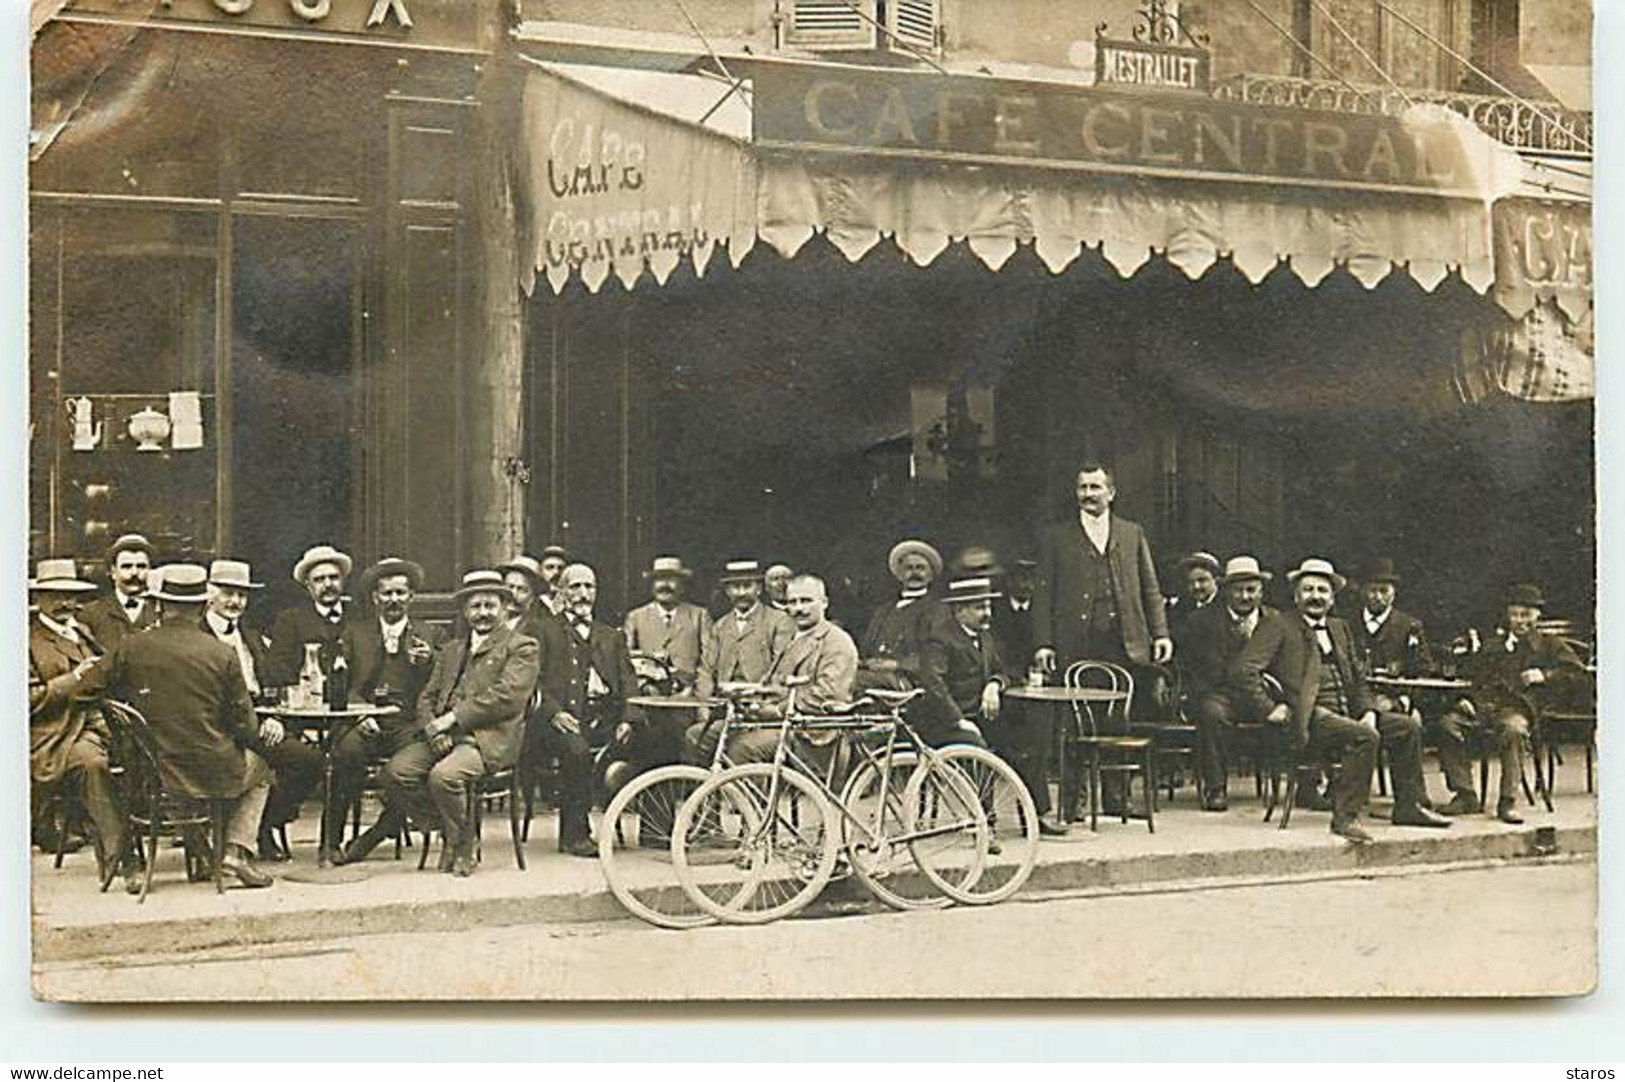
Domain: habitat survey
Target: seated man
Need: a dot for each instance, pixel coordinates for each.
(469, 717)
(1211, 640)
(961, 666)
(1394, 643)
(67, 737)
(190, 688)
(740, 649)
(669, 630)
(1328, 709)
(1199, 589)
(585, 679)
(1507, 676)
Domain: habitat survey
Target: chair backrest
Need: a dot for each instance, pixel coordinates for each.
(136, 751)
(1105, 675)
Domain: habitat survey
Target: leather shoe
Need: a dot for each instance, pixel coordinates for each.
(357, 849)
(581, 847)
(1418, 816)
(1465, 803)
(132, 873)
(47, 843)
(1507, 812)
(1314, 800)
(248, 875)
(1050, 828)
(1352, 832)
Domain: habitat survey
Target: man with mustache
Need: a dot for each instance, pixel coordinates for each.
(776, 584)
(668, 629)
(321, 620)
(127, 610)
(741, 649)
(529, 589)
(1329, 713)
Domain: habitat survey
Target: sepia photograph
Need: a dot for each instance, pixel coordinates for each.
(810, 500)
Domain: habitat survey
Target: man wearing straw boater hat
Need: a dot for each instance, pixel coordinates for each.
(1328, 713)
(668, 629)
(741, 648)
(1211, 641)
(321, 619)
(468, 719)
(296, 766)
(891, 639)
(961, 666)
(67, 736)
(1198, 589)
(126, 610)
(189, 686)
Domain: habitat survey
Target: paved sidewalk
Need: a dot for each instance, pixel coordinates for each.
(73, 920)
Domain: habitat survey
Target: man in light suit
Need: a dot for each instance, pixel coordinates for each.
(469, 718)
(668, 629)
(741, 649)
(127, 609)
(1329, 713)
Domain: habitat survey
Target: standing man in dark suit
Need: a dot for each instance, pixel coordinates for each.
(320, 620)
(296, 767)
(190, 688)
(1022, 736)
(585, 679)
(1328, 710)
(1212, 641)
(67, 737)
(1517, 663)
(1013, 613)
(127, 610)
(468, 719)
(394, 655)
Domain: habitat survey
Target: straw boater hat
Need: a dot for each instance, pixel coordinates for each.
(667, 567)
(528, 566)
(127, 542)
(393, 565)
(186, 583)
(233, 573)
(741, 571)
(1382, 570)
(1525, 593)
(1240, 568)
(913, 547)
(1314, 565)
(481, 582)
(321, 554)
(59, 576)
(1201, 559)
(971, 588)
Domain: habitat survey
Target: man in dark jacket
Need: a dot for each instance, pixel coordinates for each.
(190, 688)
(1517, 664)
(1393, 642)
(469, 718)
(321, 620)
(961, 667)
(127, 609)
(1328, 710)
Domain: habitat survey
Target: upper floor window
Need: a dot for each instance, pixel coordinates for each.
(901, 26)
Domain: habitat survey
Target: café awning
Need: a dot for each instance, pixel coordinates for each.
(628, 178)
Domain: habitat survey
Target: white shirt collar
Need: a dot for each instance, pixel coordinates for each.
(68, 629)
(1250, 621)
(1373, 623)
(326, 612)
(1097, 527)
(217, 624)
(476, 640)
(130, 614)
(1019, 605)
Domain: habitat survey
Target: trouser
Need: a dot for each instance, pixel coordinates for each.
(700, 741)
(243, 822)
(296, 767)
(575, 757)
(1333, 736)
(1505, 730)
(352, 753)
(87, 767)
(1021, 737)
(1215, 717)
(420, 784)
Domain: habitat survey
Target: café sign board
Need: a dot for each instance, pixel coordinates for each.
(1160, 54)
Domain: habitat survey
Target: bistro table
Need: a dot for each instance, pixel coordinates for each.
(325, 724)
(668, 719)
(1420, 683)
(1056, 698)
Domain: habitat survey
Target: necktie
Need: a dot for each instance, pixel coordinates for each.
(231, 627)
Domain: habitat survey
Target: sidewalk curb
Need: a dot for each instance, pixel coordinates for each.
(1077, 870)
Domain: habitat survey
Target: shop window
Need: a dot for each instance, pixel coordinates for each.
(909, 25)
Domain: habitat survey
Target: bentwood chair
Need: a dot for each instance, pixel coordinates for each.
(1100, 731)
(495, 786)
(1173, 735)
(153, 811)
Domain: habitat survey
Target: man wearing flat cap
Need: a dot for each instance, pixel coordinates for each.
(322, 619)
(1328, 713)
(67, 736)
(126, 610)
(1198, 588)
(394, 655)
(190, 688)
(741, 648)
(296, 766)
(1515, 666)
(1213, 639)
(669, 630)
(469, 719)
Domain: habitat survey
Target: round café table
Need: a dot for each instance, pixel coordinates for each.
(1056, 698)
(669, 717)
(325, 724)
(1419, 683)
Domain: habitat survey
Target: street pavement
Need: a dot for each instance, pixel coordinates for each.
(1505, 929)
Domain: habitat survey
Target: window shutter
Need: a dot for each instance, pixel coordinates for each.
(831, 24)
(915, 22)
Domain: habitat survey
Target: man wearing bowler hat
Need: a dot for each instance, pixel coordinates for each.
(469, 718)
(190, 688)
(1211, 641)
(322, 619)
(1328, 714)
(1514, 667)
(394, 654)
(67, 736)
(126, 610)
(1394, 642)
(741, 648)
(296, 766)
(669, 630)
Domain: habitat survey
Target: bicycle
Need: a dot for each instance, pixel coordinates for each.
(963, 817)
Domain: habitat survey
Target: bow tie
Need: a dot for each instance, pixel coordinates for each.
(1316, 625)
(579, 620)
(333, 615)
(132, 603)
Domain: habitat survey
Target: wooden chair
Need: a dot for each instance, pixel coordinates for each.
(1570, 719)
(152, 811)
(1173, 735)
(494, 786)
(1103, 736)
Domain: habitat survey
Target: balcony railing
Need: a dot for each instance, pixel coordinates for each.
(1511, 121)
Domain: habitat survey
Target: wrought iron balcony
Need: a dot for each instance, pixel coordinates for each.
(1509, 120)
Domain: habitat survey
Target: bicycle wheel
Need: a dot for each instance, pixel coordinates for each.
(748, 851)
(634, 847)
(982, 865)
(874, 832)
